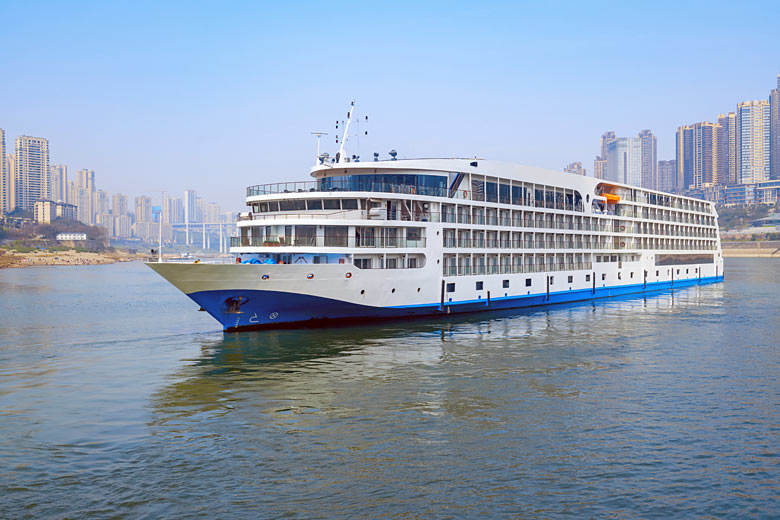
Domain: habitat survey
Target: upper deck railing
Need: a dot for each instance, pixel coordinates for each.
(336, 185)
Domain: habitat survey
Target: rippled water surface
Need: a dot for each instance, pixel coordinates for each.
(117, 398)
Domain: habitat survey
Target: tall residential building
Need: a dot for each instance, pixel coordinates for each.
(172, 210)
(85, 189)
(684, 159)
(774, 130)
(101, 203)
(143, 209)
(667, 176)
(190, 209)
(4, 180)
(10, 172)
(649, 162)
(31, 171)
(753, 140)
(575, 168)
(624, 161)
(119, 205)
(727, 148)
(600, 163)
(705, 154)
(212, 213)
(59, 183)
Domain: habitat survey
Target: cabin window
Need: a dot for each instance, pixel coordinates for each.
(506, 284)
(480, 285)
(363, 263)
(450, 287)
(349, 204)
(392, 263)
(657, 273)
(587, 277)
(412, 263)
(314, 204)
(571, 278)
(603, 276)
(528, 282)
(292, 205)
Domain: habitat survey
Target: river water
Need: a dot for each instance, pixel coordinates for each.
(118, 399)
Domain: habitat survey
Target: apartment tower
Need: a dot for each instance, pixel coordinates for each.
(774, 130)
(31, 171)
(753, 141)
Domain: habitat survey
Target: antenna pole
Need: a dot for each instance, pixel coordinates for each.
(346, 132)
(318, 134)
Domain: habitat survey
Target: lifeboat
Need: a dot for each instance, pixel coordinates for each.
(611, 199)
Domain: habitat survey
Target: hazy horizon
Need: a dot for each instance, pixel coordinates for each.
(190, 96)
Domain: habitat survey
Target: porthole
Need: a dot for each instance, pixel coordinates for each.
(348, 275)
(418, 289)
(310, 276)
(362, 291)
(393, 290)
(266, 277)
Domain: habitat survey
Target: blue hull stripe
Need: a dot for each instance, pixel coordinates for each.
(271, 309)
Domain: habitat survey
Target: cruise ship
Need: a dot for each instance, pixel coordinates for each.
(396, 238)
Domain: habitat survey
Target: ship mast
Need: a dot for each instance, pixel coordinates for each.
(340, 154)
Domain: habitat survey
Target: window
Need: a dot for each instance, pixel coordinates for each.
(571, 278)
(603, 276)
(678, 271)
(363, 263)
(391, 263)
(412, 263)
(314, 204)
(552, 280)
(332, 203)
(292, 205)
(528, 282)
(450, 287)
(656, 273)
(480, 285)
(632, 274)
(587, 277)
(620, 276)
(686, 271)
(349, 204)
(506, 284)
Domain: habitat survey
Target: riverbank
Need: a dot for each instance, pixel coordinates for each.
(751, 249)
(11, 259)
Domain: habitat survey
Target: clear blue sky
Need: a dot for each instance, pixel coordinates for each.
(217, 96)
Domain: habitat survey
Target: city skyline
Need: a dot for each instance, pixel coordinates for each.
(164, 104)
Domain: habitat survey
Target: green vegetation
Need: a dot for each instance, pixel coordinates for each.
(739, 217)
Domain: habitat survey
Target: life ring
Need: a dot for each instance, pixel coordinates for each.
(266, 277)
(622, 228)
(622, 244)
(465, 194)
(310, 276)
(348, 275)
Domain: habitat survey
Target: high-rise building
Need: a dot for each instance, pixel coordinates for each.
(600, 163)
(172, 210)
(32, 171)
(85, 189)
(4, 180)
(59, 182)
(774, 130)
(667, 176)
(649, 162)
(575, 168)
(143, 209)
(119, 205)
(753, 141)
(684, 160)
(727, 148)
(101, 203)
(213, 211)
(190, 209)
(624, 161)
(705, 154)
(10, 175)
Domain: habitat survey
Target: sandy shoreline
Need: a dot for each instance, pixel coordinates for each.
(10, 259)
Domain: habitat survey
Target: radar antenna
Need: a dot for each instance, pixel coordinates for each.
(319, 135)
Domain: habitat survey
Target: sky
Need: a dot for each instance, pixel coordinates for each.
(216, 96)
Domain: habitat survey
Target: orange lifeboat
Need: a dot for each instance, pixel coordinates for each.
(611, 199)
